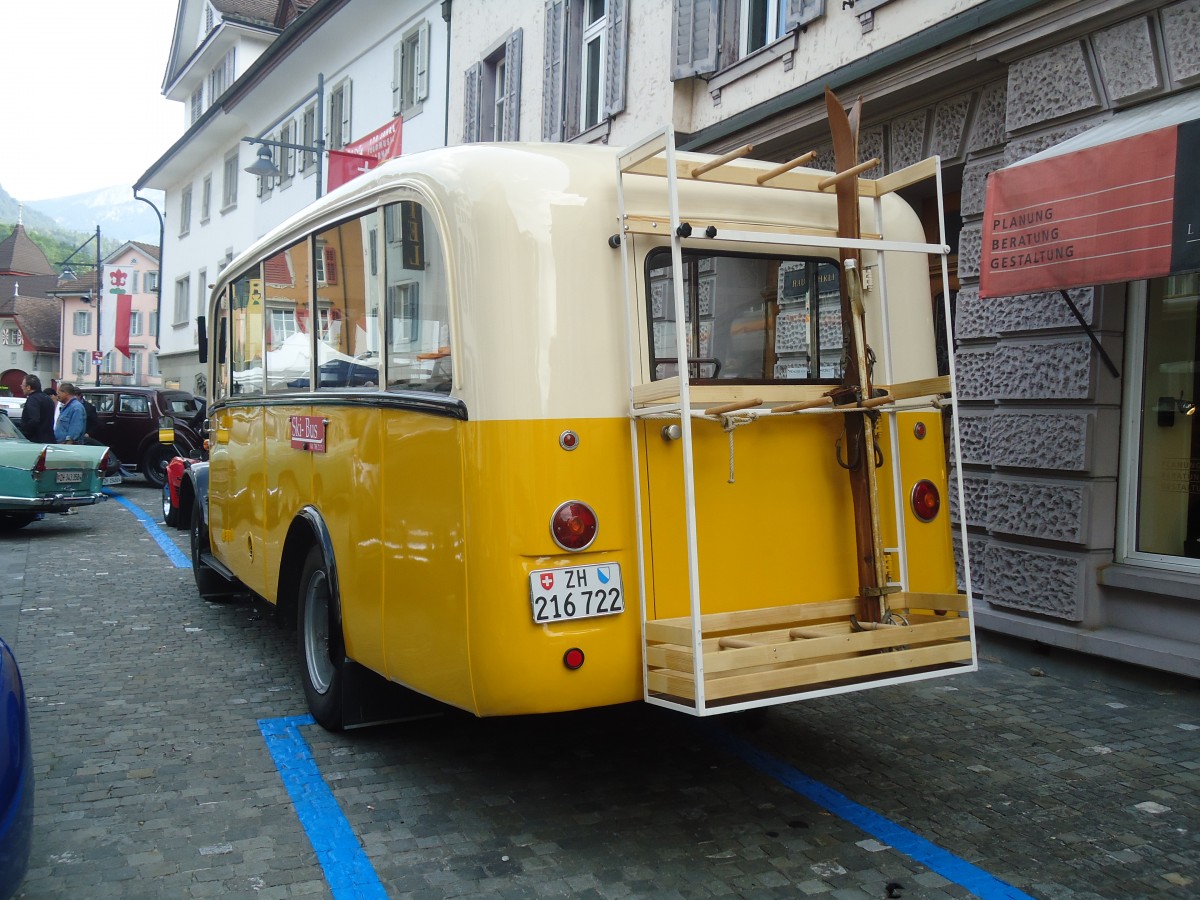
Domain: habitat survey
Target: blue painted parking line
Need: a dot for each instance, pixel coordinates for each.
(178, 558)
(946, 864)
(348, 872)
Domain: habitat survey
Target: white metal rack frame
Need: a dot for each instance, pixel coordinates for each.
(853, 660)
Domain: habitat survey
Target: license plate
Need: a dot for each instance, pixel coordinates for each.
(110, 479)
(576, 592)
(68, 477)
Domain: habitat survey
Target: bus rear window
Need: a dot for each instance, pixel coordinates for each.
(747, 318)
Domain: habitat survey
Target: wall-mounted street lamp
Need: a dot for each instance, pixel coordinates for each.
(264, 166)
(159, 280)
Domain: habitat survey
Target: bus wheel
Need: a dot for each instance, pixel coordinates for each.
(210, 584)
(320, 641)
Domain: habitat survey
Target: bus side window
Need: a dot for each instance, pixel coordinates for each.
(417, 301)
(347, 304)
(286, 341)
(246, 338)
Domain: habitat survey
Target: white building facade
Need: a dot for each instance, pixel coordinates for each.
(336, 73)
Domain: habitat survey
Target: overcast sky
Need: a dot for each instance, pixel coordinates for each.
(82, 108)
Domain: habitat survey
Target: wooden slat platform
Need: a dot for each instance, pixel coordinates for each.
(804, 647)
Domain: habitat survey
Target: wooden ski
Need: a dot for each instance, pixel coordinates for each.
(859, 444)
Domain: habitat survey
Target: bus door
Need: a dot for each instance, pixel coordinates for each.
(772, 506)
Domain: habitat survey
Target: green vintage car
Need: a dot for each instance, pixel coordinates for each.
(45, 478)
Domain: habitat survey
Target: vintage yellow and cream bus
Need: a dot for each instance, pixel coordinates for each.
(531, 428)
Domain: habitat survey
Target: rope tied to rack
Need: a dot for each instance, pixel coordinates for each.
(730, 422)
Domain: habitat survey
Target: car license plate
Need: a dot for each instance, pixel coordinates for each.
(110, 479)
(576, 592)
(68, 477)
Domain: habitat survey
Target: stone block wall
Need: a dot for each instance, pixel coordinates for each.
(1039, 410)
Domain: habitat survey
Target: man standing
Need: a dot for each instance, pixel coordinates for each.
(37, 416)
(72, 418)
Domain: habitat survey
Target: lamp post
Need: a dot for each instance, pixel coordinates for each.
(158, 281)
(264, 166)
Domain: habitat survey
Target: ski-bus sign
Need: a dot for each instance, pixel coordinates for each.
(308, 433)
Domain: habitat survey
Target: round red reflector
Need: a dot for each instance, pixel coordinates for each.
(573, 658)
(573, 525)
(919, 431)
(926, 501)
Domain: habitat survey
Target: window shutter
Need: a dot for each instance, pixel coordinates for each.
(422, 86)
(471, 89)
(694, 36)
(229, 67)
(801, 12)
(512, 90)
(330, 265)
(553, 72)
(346, 114)
(397, 70)
(617, 27)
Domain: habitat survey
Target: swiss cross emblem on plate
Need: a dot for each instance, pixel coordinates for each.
(547, 579)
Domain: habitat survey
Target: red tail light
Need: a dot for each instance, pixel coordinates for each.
(926, 501)
(102, 466)
(573, 525)
(40, 466)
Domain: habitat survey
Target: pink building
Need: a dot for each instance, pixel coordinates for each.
(127, 344)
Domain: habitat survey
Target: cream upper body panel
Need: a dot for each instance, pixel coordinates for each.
(538, 304)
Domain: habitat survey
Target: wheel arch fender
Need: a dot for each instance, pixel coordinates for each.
(195, 484)
(308, 529)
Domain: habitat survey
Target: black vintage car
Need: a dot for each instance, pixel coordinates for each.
(129, 425)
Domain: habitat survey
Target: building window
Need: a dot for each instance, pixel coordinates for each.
(710, 36)
(135, 322)
(205, 200)
(585, 65)
(308, 128)
(492, 100)
(82, 322)
(1160, 477)
(10, 336)
(221, 77)
(197, 104)
(185, 211)
(151, 283)
(152, 365)
(79, 362)
(135, 365)
(410, 71)
(339, 116)
(287, 155)
(230, 192)
(183, 290)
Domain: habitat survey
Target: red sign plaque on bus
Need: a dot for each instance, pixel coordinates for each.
(1093, 216)
(308, 433)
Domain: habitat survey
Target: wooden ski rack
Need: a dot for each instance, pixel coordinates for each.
(706, 663)
(762, 652)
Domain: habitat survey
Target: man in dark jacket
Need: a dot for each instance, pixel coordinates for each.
(37, 416)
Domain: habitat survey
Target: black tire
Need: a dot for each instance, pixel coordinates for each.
(13, 521)
(210, 584)
(154, 463)
(170, 510)
(319, 640)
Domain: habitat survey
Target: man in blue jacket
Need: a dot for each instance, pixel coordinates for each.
(72, 417)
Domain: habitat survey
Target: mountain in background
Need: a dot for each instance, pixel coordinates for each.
(120, 217)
